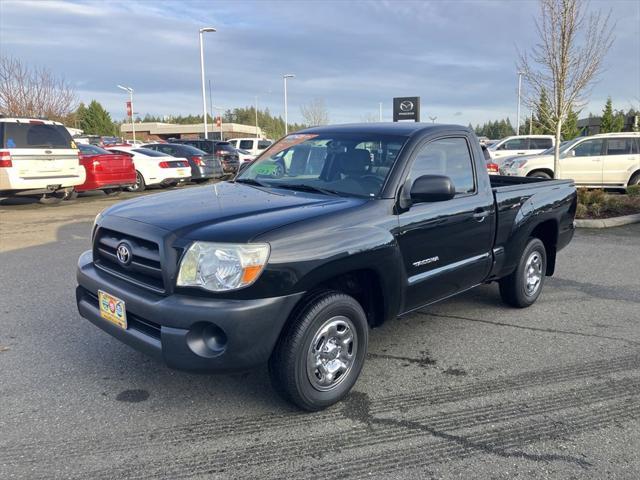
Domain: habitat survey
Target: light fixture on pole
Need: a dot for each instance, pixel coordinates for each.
(133, 126)
(204, 95)
(518, 114)
(286, 120)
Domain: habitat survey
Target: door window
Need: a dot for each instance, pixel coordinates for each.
(620, 146)
(589, 148)
(246, 145)
(514, 144)
(449, 157)
(540, 143)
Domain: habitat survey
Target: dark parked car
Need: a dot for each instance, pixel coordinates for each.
(203, 165)
(222, 150)
(292, 266)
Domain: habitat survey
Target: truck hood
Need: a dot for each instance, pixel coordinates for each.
(228, 212)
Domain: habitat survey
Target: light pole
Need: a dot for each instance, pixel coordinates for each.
(204, 95)
(433, 119)
(256, 116)
(133, 127)
(518, 114)
(286, 120)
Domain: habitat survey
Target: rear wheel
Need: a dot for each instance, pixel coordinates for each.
(52, 198)
(635, 179)
(70, 194)
(112, 191)
(139, 186)
(321, 351)
(523, 287)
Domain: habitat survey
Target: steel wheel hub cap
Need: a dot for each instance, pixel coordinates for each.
(332, 353)
(533, 273)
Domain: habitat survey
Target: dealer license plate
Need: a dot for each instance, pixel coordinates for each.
(112, 309)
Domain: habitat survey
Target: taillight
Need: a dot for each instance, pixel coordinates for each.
(220, 152)
(492, 167)
(79, 158)
(5, 160)
(198, 161)
(184, 164)
(164, 165)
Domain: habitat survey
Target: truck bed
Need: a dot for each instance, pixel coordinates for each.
(503, 183)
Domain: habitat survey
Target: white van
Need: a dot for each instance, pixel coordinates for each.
(255, 146)
(38, 157)
(609, 160)
(521, 145)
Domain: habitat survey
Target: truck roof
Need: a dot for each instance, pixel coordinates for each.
(388, 128)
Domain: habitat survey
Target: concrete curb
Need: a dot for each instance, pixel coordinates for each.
(609, 222)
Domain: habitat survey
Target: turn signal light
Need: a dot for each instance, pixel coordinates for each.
(164, 165)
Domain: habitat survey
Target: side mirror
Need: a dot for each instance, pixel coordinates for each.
(432, 188)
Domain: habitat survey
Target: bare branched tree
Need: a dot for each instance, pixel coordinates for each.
(567, 60)
(315, 113)
(33, 92)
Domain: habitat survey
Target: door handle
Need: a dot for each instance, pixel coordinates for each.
(480, 214)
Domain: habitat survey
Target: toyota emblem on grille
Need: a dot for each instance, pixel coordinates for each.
(406, 106)
(123, 252)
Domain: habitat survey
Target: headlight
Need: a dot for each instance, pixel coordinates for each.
(222, 266)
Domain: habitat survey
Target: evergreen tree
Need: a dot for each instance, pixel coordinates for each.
(607, 122)
(543, 113)
(570, 128)
(95, 120)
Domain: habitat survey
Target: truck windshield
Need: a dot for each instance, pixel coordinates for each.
(349, 164)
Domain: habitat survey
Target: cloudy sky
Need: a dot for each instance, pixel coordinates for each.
(458, 56)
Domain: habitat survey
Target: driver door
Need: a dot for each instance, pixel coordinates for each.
(446, 246)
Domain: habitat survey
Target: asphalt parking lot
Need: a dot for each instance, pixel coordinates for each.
(467, 388)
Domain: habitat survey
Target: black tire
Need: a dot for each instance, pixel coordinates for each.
(635, 179)
(52, 198)
(112, 192)
(540, 175)
(70, 194)
(288, 365)
(515, 289)
(140, 186)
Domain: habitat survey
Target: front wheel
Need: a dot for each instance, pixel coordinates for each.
(321, 351)
(523, 287)
(544, 175)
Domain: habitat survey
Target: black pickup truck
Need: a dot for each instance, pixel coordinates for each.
(333, 230)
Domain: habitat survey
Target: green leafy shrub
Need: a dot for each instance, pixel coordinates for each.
(633, 190)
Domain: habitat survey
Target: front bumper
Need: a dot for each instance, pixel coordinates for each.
(186, 332)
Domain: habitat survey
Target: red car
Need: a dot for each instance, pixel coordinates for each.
(106, 171)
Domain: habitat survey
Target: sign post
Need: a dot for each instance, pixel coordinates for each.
(406, 108)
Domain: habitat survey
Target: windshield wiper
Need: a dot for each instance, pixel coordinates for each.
(251, 181)
(303, 187)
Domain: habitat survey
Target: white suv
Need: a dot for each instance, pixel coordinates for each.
(38, 157)
(609, 160)
(255, 146)
(521, 145)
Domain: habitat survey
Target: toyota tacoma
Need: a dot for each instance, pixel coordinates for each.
(331, 231)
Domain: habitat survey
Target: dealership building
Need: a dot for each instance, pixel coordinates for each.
(151, 131)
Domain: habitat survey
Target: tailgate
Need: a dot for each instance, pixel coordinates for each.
(38, 164)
